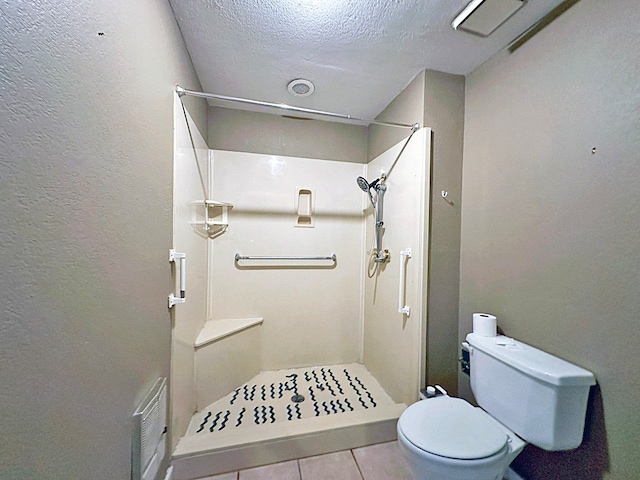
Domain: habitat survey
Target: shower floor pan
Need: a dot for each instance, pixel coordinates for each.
(286, 414)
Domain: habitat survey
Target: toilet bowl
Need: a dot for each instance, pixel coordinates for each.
(446, 438)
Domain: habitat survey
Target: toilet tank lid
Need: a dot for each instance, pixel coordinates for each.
(536, 363)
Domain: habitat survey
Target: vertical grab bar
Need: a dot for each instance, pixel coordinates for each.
(182, 257)
(402, 284)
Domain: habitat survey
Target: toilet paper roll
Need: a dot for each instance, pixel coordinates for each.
(485, 324)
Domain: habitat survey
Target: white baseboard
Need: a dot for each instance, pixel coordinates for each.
(169, 473)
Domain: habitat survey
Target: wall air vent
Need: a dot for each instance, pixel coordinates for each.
(483, 17)
(150, 433)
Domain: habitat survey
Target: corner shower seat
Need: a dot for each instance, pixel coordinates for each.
(221, 363)
(215, 330)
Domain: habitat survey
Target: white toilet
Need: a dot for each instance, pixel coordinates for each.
(526, 396)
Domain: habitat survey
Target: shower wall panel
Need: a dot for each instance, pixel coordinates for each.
(311, 309)
(394, 343)
(189, 184)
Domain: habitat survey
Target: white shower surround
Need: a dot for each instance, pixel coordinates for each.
(323, 316)
(316, 313)
(311, 315)
(394, 345)
(190, 172)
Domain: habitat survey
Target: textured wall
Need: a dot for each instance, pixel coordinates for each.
(86, 147)
(360, 54)
(550, 229)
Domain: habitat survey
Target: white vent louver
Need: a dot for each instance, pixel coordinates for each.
(300, 87)
(149, 433)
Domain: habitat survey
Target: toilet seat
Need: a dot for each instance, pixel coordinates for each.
(452, 428)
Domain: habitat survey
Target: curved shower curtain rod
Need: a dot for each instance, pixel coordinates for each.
(282, 106)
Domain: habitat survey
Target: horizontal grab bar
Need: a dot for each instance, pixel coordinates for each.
(244, 257)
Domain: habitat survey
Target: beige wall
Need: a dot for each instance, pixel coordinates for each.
(271, 134)
(444, 114)
(550, 230)
(407, 108)
(86, 163)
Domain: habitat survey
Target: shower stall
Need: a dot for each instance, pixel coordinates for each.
(290, 343)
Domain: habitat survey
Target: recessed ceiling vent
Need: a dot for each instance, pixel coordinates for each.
(483, 17)
(300, 87)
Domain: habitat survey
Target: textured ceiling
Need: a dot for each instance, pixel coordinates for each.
(359, 53)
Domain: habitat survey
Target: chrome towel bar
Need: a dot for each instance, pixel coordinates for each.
(245, 257)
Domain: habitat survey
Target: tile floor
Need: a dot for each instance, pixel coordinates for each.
(375, 462)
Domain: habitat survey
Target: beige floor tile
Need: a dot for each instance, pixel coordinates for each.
(223, 476)
(277, 471)
(330, 466)
(382, 462)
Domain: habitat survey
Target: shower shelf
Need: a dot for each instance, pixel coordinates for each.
(210, 215)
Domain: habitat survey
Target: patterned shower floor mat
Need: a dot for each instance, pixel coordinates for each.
(290, 395)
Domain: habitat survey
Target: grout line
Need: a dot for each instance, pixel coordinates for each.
(357, 464)
(299, 469)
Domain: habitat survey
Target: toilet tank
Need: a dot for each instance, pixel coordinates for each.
(540, 397)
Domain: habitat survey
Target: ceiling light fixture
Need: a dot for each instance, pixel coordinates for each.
(483, 17)
(300, 87)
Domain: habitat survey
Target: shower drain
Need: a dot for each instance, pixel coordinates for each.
(297, 398)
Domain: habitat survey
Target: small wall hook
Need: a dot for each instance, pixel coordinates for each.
(444, 194)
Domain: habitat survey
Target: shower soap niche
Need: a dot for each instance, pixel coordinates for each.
(304, 207)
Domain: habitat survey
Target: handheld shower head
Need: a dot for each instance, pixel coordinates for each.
(365, 186)
(380, 187)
